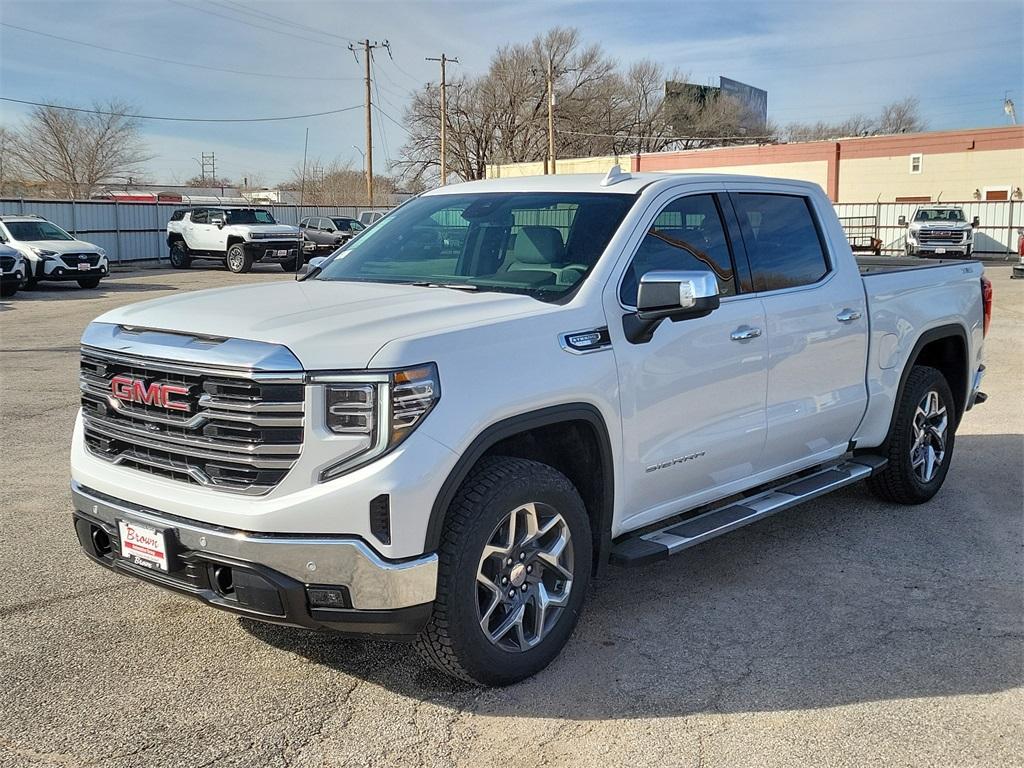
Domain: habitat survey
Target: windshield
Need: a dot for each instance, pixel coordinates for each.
(939, 214)
(348, 225)
(28, 231)
(542, 244)
(250, 216)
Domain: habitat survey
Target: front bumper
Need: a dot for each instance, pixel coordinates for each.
(931, 250)
(12, 278)
(269, 573)
(268, 252)
(61, 273)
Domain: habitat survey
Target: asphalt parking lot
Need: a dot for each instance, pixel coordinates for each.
(845, 632)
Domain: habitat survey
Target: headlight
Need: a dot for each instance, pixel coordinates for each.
(911, 235)
(43, 252)
(376, 411)
(101, 252)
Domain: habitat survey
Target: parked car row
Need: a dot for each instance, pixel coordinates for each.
(36, 250)
(240, 237)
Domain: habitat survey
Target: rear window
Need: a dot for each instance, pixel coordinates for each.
(782, 240)
(178, 215)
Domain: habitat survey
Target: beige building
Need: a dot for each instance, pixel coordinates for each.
(979, 164)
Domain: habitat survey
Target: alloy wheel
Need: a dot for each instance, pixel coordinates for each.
(524, 577)
(929, 446)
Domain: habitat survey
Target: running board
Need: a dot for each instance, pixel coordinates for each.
(674, 538)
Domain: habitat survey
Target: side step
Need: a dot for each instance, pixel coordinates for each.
(674, 538)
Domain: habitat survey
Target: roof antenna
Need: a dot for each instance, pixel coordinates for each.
(615, 175)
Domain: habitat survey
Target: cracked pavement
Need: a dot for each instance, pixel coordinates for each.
(844, 632)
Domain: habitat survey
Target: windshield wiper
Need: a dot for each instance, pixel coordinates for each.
(453, 286)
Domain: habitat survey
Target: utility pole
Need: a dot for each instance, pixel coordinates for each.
(368, 47)
(444, 114)
(1009, 108)
(551, 115)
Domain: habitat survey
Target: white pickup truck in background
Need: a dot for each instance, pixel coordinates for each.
(939, 231)
(448, 427)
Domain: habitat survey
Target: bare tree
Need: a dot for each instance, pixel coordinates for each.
(902, 117)
(203, 181)
(74, 153)
(335, 183)
(898, 117)
(501, 116)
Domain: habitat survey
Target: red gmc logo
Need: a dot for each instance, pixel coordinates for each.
(131, 390)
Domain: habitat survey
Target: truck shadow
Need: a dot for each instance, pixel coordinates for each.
(843, 600)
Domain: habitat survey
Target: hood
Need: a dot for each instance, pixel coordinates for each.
(61, 246)
(326, 324)
(276, 229)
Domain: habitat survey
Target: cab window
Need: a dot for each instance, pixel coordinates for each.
(687, 235)
(782, 240)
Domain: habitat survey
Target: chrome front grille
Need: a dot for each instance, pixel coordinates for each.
(229, 430)
(941, 236)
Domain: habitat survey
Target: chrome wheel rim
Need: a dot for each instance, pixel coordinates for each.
(524, 577)
(235, 261)
(929, 446)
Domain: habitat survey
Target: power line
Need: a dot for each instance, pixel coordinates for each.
(664, 138)
(168, 61)
(237, 20)
(250, 9)
(380, 130)
(183, 119)
(389, 117)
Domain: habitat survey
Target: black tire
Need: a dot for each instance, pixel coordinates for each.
(969, 252)
(900, 482)
(180, 255)
(453, 639)
(290, 266)
(8, 290)
(89, 282)
(237, 260)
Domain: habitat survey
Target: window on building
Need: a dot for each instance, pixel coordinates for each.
(916, 162)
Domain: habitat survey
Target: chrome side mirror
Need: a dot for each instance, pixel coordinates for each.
(902, 221)
(976, 222)
(670, 295)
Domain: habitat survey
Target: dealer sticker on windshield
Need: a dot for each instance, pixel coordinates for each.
(142, 545)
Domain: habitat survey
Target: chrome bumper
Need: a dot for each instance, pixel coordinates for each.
(373, 582)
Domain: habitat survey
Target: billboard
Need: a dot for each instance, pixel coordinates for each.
(754, 99)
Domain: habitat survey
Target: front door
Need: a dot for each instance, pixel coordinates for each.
(817, 327)
(693, 397)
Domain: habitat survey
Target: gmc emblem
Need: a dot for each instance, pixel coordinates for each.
(130, 390)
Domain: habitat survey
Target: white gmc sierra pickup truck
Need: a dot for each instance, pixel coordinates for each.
(449, 426)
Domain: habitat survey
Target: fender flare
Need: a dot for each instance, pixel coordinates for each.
(524, 422)
(952, 330)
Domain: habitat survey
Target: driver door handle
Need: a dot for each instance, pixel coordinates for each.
(848, 316)
(745, 333)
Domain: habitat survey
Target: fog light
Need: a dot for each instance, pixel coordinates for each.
(327, 597)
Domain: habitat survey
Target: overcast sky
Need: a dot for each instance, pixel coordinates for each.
(817, 60)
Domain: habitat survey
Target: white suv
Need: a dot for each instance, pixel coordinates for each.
(237, 236)
(12, 271)
(51, 253)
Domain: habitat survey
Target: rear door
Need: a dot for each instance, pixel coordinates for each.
(816, 325)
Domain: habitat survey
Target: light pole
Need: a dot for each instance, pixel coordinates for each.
(362, 154)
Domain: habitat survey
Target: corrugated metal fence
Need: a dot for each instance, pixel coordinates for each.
(138, 231)
(995, 237)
